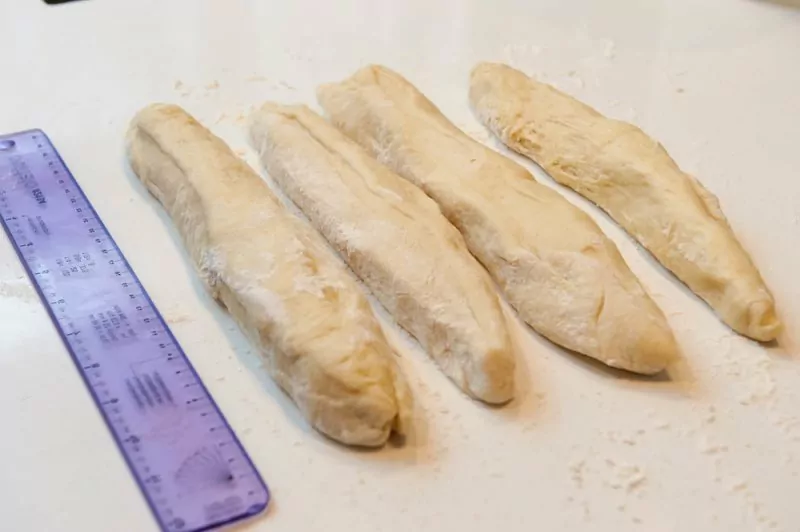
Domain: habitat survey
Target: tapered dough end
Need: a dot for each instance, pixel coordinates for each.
(633, 333)
(645, 348)
(759, 321)
(367, 419)
(357, 397)
(490, 376)
(491, 379)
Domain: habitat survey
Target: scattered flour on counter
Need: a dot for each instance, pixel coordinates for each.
(177, 318)
(712, 415)
(181, 88)
(628, 477)
(626, 439)
(755, 509)
(707, 447)
(734, 484)
(273, 85)
(521, 49)
(220, 118)
(185, 91)
(789, 425)
(576, 469)
(761, 385)
(175, 313)
(573, 75)
(17, 290)
(609, 51)
(752, 369)
(737, 485)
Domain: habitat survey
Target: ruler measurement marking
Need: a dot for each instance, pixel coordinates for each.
(122, 346)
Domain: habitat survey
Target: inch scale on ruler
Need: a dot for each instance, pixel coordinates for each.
(187, 461)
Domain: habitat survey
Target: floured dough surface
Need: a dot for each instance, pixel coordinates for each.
(289, 294)
(555, 266)
(630, 176)
(397, 241)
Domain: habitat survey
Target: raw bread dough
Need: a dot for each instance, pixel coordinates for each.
(630, 176)
(555, 266)
(396, 240)
(287, 291)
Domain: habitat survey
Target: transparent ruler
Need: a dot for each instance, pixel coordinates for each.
(187, 461)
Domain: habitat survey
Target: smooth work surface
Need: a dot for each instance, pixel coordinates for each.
(714, 445)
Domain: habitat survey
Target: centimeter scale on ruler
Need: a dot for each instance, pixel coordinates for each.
(190, 466)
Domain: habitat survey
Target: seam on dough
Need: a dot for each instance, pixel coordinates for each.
(397, 206)
(600, 307)
(211, 276)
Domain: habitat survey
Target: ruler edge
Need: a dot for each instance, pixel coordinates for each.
(109, 426)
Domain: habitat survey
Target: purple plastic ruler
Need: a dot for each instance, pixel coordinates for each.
(187, 461)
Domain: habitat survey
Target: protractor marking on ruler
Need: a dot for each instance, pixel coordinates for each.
(189, 464)
(206, 466)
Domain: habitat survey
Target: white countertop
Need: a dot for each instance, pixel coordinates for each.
(713, 446)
